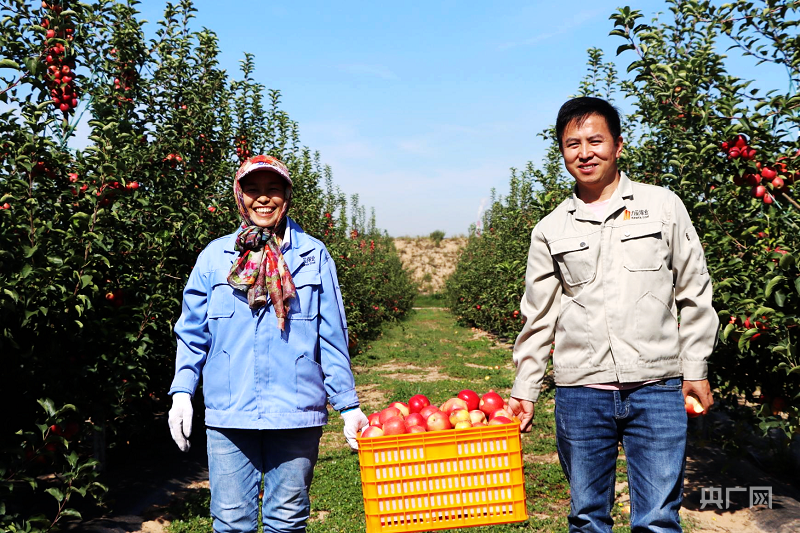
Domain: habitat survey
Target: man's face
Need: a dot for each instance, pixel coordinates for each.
(264, 194)
(590, 152)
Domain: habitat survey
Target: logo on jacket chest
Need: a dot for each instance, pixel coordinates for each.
(636, 214)
(308, 260)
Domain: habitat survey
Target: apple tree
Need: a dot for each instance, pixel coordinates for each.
(729, 148)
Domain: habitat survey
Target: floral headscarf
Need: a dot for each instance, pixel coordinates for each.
(260, 269)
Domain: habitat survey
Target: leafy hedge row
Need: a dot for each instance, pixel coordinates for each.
(96, 244)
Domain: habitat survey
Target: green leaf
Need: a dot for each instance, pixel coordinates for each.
(772, 283)
(55, 493)
(780, 298)
(727, 331)
(71, 512)
(47, 405)
(797, 285)
(787, 261)
(72, 459)
(7, 63)
(745, 338)
(763, 310)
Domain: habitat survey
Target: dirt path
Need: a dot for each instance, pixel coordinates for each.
(429, 264)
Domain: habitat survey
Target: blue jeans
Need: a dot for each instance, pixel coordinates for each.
(650, 421)
(237, 461)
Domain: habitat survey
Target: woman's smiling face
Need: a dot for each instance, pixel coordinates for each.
(264, 194)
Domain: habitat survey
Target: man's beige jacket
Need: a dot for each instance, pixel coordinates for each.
(625, 299)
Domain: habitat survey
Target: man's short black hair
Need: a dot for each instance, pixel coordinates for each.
(579, 109)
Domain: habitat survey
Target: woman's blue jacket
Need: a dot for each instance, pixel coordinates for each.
(256, 376)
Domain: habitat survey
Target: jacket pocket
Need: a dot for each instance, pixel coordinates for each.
(217, 381)
(305, 304)
(641, 247)
(573, 337)
(656, 329)
(221, 299)
(576, 258)
(311, 395)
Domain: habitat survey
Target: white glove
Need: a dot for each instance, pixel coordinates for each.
(354, 420)
(180, 420)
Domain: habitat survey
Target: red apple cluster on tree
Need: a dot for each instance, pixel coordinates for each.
(766, 179)
(60, 65)
(418, 415)
(242, 148)
(746, 323)
(126, 79)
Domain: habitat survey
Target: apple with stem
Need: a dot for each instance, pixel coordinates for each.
(438, 421)
(428, 411)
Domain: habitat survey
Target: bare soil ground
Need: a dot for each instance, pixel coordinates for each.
(430, 265)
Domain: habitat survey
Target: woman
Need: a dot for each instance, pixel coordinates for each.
(263, 323)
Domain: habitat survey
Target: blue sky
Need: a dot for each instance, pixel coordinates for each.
(419, 107)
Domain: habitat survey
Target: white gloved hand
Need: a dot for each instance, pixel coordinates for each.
(180, 420)
(354, 420)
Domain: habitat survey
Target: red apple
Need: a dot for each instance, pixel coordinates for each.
(428, 410)
(417, 402)
(389, 412)
(778, 183)
(768, 173)
(463, 424)
(491, 402)
(758, 191)
(477, 416)
(498, 420)
(374, 420)
(417, 429)
(453, 403)
(471, 397)
(479, 424)
(400, 406)
(372, 431)
(693, 406)
(414, 419)
(394, 426)
(438, 421)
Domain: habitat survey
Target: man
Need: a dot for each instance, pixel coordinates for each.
(616, 277)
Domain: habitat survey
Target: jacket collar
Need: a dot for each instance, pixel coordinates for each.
(623, 191)
(301, 244)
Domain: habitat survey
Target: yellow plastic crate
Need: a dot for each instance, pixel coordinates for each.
(443, 479)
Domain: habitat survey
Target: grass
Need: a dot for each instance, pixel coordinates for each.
(428, 354)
